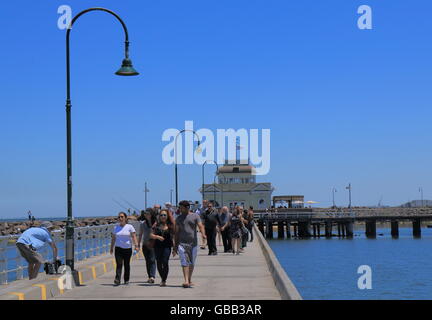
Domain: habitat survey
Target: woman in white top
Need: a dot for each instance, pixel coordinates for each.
(122, 237)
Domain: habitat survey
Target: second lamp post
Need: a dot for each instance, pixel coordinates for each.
(175, 158)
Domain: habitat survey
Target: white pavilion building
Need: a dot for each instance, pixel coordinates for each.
(236, 185)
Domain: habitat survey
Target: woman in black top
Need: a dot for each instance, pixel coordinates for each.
(251, 222)
(235, 223)
(148, 244)
(163, 234)
(245, 231)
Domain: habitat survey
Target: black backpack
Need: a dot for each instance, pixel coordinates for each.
(52, 267)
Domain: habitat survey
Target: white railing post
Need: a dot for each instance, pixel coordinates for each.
(100, 238)
(108, 236)
(78, 244)
(97, 240)
(87, 241)
(19, 265)
(91, 241)
(3, 260)
(94, 240)
(103, 240)
(82, 242)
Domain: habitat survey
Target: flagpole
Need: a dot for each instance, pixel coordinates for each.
(349, 188)
(333, 191)
(145, 197)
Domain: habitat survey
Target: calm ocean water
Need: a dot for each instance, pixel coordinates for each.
(327, 268)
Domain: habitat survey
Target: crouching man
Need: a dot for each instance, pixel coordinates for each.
(33, 240)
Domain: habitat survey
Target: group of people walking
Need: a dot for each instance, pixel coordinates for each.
(234, 227)
(165, 232)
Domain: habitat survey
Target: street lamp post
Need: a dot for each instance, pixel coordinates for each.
(145, 197)
(421, 192)
(333, 191)
(349, 189)
(214, 190)
(222, 191)
(202, 187)
(126, 69)
(175, 158)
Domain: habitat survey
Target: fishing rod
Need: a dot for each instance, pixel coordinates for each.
(130, 204)
(120, 205)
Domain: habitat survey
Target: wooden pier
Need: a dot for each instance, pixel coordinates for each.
(307, 224)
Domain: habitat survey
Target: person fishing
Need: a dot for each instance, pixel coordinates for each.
(32, 241)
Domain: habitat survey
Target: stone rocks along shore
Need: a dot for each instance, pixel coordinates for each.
(14, 228)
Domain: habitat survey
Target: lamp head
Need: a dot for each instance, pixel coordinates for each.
(198, 149)
(127, 69)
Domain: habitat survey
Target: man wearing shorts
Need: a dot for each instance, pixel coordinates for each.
(32, 240)
(186, 240)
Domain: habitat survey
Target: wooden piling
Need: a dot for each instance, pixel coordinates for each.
(304, 229)
(280, 230)
(269, 233)
(395, 228)
(371, 229)
(288, 230)
(349, 229)
(328, 229)
(416, 228)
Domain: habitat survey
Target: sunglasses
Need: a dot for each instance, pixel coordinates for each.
(120, 217)
(162, 215)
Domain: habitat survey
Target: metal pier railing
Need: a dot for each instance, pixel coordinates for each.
(89, 241)
(301, 215)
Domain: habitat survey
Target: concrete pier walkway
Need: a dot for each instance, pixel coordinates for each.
(225, 276)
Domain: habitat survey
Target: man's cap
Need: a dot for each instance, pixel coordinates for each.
(167, 203)
(184, 203)
(46, 224)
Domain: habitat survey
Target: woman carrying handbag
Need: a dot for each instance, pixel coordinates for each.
(235, 223)
(245, 231)
(148, 245)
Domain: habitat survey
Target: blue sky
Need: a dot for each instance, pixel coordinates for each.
(343, 104)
